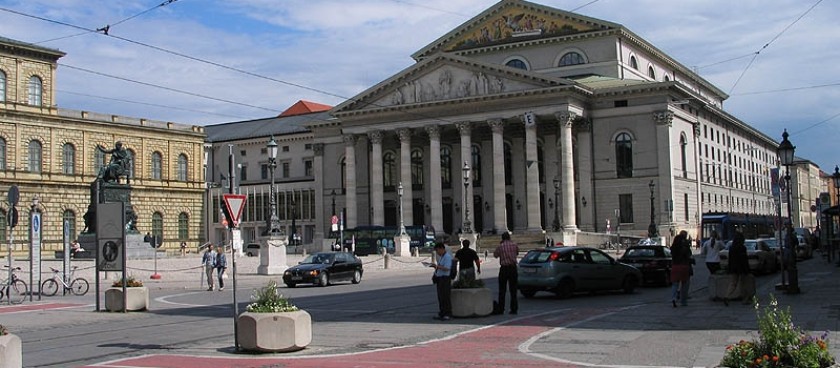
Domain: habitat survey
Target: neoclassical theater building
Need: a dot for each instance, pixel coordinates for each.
(562, 120)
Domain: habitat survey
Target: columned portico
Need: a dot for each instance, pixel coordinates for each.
(350, 178)
(567, 173)
(499, 209)
(376, 194)
(435, 188)
(405, 175)
(532, 176)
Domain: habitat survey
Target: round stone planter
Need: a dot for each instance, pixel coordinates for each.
(474, 302)
(137, 299)
(274, 332)
(11, 353)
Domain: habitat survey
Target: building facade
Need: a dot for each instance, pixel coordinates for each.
(50, 153)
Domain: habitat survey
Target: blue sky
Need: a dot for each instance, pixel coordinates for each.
(341, 48)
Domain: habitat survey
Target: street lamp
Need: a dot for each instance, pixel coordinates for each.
(273, 225)
(786, 151)
(402, 222)
(556, 224)
(466, 170)
(293, 238)
(652, 227)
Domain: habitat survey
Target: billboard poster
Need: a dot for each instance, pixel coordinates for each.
(775, 187)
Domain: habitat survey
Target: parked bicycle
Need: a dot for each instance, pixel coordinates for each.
(15, 289)
(79, 286)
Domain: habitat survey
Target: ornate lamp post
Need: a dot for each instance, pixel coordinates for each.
(402, 222)
(786, 153)
(556, 224)
(466, 170)
(273, 253)
(273, 225)
(652, 232)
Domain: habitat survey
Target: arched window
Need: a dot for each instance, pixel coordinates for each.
(68, 164)
(445, 167)
(157, 165)
(389, 171)
(476, 166)
(34, 156)
(98, 161)
(182, 167)
(633, 63)
(508, 152)
(683, 158)
(417, 169)
(667, 78)
(3, 226)
(2, 86)
(518, 64)
(571, 58)
(2, 154)
(69, 219)
(131, 162)
(651, 72)
(35, 90)
(157, 224)
(624, 156)
(183, 226)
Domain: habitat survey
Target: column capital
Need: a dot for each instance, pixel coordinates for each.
(375, 137)
(433, 131)
(496, 125)
(663, 117)
(565, 118)
(404, 134)
(583, 125)
(464, 127)
(318, 148)
(349, 140)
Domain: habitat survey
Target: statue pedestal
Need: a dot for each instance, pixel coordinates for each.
(273, 256)
(402, 243)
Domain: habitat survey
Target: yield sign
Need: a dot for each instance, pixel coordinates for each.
(234, 204)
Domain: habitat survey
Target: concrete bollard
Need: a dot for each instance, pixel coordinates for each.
(387, 260)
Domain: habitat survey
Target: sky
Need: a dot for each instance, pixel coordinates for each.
(206, 62)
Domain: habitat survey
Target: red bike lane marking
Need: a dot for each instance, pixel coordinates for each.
(34, 307)
(496, 345)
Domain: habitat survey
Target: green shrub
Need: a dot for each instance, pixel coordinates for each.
(3, 330)
(268, 300)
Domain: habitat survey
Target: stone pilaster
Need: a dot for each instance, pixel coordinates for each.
(499, 219)
(405, 175)
(350, 180)
(586, 202)
(435, 186)
(321, 220)
(532, 177)
(567, 172)
(376, 179)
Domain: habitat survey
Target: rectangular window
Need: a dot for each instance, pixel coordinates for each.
(625, 205)
(285, 148)
(243, 173)
(285, 170)
(264, 171)
(620, 103)
(685, 206)
(263, 151)
(243, 153)
(307, 146)
(307, 168)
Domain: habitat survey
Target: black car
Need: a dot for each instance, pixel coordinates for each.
(653, 260)
(325, 268)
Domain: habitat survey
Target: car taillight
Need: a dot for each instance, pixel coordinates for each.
(554, 256)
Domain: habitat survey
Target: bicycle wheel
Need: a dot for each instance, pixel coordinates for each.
(79, 286)
(49, 287)
(17, 291)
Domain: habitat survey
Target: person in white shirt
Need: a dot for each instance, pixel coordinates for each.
(711, 249)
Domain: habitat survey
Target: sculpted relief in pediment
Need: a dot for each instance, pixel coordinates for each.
(447, 83)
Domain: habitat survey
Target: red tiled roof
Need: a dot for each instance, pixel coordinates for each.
(304, 107)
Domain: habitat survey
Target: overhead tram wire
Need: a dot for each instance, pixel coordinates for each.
(165, 3)
(151, 104)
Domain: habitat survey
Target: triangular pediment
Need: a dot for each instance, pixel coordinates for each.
(512, 21)
(445, 78)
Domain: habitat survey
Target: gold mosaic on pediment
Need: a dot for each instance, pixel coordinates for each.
(514, 25)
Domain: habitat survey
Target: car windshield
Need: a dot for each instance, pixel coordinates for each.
(319, 258)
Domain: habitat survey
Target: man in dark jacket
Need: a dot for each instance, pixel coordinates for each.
(739, 270)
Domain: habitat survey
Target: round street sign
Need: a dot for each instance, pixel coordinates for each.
(14, 195)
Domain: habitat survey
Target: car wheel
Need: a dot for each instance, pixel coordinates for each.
(291, 284)
(324, 279)
(565, 288)
(528, 293)
(357, 277)
(629, 284)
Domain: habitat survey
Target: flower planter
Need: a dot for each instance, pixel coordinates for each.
(11, 354)
(274, 332)
(137, 299)
(472, 302)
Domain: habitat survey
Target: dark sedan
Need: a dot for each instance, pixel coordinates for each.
(653, 260)
(325, 268)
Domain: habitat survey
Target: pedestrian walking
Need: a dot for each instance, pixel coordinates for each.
(739, 271)
(443, 282)
(506, 252)
(221, 266)
(680, 269)
(208, 259)
(183, 249)
(468, 262)
(711, 251)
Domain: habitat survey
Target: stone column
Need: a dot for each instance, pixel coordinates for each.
(435, 186)
(405, 176)
(376, 194)
(583, 129)
(464, 128)
(662, 176)
(567, 172)
(499, 218)
(321, 220)
(532, 177)
(350, 178)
